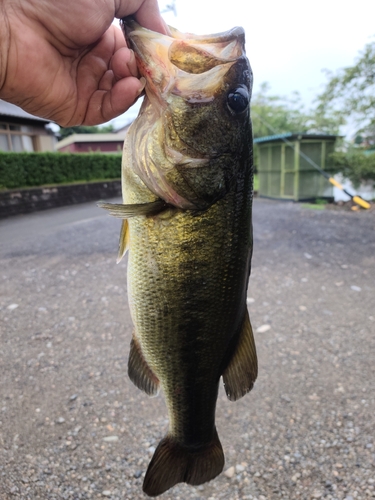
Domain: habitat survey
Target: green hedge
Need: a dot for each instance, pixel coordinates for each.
(38, 169)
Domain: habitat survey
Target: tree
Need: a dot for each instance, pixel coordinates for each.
(355, 165)
(273, 114)
(326, 120)
(349, 96)
(84, 129)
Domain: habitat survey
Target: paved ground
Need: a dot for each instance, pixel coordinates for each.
(72, 426)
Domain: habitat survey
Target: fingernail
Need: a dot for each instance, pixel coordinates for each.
(142, 81)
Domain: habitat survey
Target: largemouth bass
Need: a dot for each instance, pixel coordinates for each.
(187, 191)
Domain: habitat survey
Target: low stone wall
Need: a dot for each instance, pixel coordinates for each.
(22, 201)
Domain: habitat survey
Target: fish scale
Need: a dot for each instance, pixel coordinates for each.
(173, 319)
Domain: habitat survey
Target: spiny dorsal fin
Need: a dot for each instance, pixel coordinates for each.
(139, 372)
(133, 210)
(242, 370)
(123, 243)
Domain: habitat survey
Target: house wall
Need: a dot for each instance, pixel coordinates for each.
(22, 135)
(70, 148)
(45, 143)
(93, 147)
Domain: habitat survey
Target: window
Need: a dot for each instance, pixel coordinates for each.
(16, 138)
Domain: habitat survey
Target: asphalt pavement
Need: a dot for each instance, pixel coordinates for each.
(72, 425)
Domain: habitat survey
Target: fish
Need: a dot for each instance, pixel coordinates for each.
(187, 182)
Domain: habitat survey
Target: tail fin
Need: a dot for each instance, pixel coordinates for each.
(174, 463)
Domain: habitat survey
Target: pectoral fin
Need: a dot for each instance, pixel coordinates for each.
(126, 211)
(139, 372)
(241, 372)
(123, 243)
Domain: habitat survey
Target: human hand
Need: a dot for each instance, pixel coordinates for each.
(65, 61)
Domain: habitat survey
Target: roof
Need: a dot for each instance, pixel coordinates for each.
(106, 137)
(8, 109)
(292, 137)
(123, 128)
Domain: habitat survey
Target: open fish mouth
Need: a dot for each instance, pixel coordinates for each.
(194, 114)
(167, 62)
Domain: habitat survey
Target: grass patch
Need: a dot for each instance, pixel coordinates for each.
(318, 204)
(313, 206)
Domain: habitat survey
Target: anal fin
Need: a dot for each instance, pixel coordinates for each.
(139, 372)
(242, 370)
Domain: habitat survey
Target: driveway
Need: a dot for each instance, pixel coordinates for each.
(72, 425)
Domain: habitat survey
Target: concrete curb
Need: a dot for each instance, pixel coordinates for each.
(23, 201)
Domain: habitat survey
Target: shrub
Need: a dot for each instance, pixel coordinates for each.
(356, 166)
(38, 169)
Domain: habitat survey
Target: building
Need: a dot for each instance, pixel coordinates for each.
(93, 143)
(20, 131)
(286, 166)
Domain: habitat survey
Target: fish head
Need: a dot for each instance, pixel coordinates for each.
(192, 138)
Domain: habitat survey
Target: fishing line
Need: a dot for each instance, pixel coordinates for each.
(357, 199)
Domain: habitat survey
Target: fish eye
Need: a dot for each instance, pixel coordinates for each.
(238, 100)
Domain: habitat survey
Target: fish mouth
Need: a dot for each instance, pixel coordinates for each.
(167, 62)
(189, 79)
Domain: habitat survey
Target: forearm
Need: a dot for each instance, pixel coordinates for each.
(4, 44)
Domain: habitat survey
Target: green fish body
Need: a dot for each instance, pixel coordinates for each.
(187, 193)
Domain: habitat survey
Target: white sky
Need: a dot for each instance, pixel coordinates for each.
(288, 42)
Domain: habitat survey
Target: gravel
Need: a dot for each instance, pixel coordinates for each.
(72, 426)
